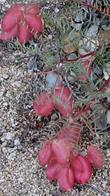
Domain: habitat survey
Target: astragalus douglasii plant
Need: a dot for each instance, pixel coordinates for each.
(74, 86)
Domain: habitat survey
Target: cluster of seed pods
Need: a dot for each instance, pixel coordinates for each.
(66, 166)
(60, 99)
(22, 21)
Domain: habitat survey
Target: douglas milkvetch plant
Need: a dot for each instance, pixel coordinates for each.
(60, 155)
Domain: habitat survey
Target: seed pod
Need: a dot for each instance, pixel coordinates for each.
(43, 105)
(45, 154)
(53, 170)
(62, 100)
(66, 179)
(12, 17)
(24, 34)
(95, 157)
(32, 9)
(34, 22)
(82, 169)
(9, 35)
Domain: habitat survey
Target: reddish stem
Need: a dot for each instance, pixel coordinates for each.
(104, 85)
(78, 58)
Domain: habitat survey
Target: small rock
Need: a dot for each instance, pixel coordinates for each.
(9, 136)
(53, 79)
(54, 117)
(12, 156)
(71, 79)
(88, 45)
(108, 117)
(2, 1)
(17, 142)
(106, 76)
(56, 10)
(5, 76)
(92, 31)
(50, 36)
(2, 91)
(20, 180)
(78, 21)
(107, 68)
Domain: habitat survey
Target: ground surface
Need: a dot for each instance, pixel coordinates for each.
(20, 140)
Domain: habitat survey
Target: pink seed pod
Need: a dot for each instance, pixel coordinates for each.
(12, 17)
(32, 9)
(35, 23)
(53, 170)
(82, 169)
(9, 35)
(45, 154)
(43, 105)
(61, 150)
(95, 157)
(24, 34)
(62, 100)
(66, 179)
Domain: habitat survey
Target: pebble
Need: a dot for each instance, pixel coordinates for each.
(108, 117)
(54, 117)
(9, 136)
(12, 156)
(50, 36)
(56, 10)
(17, 142)
(106, 75)
(107, 68)
(107, 194)
(53, 79)
(92, 31)
(87, 45)
(5, 76)
(71, 79)
(2, 1)
(2, 91)
(78, 21)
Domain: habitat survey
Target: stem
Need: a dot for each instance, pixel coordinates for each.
(78, 58)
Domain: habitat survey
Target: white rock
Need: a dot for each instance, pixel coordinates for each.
(78, 26)
(2, 91)
(50, 36)
(17, 142)
(106, 76)
(5, 76)
(108, 116)
(107, 68)
(12, 156)
(53, 79)
(56, 10)
(88, 45)
(92, 31)
(9, 136)
(2, 1)
(78, 21)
